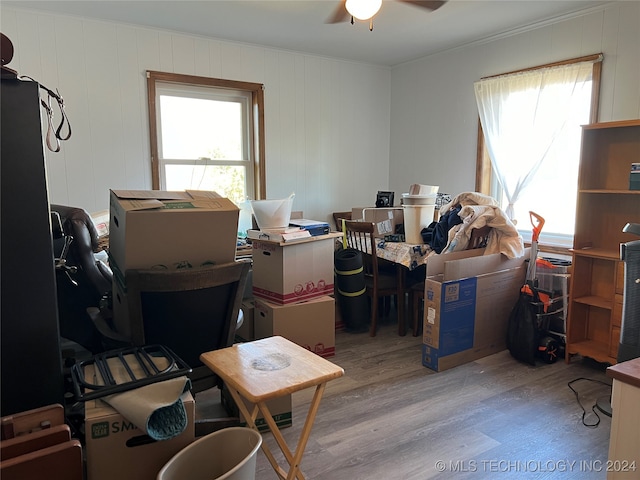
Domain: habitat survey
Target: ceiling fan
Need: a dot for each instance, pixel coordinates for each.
(366, 9)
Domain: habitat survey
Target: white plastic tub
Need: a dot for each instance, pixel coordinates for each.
(429, 199)
(272, 214)
(228, 454)
(416, 217)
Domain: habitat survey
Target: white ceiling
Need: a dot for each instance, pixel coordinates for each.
(402, 32)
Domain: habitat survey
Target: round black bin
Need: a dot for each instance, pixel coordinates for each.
(351, 293)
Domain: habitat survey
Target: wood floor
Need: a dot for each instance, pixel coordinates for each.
(391, 418)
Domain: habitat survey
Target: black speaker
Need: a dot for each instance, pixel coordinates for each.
(629, 347)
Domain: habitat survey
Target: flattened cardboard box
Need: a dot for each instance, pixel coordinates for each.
(118, 450)
(285, 273)
(171, 229)
(467, 308)
(310, 324)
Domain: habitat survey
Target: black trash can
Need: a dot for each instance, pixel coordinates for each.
(351, 293)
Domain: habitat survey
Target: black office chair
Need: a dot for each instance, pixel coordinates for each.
(81, 279)
(190, 311)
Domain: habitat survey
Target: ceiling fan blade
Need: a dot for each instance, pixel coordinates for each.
(429, 5)
(340, 14)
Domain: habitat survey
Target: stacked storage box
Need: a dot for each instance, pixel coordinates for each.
(292, 284)
(167, 230)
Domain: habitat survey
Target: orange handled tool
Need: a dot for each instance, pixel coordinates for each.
(537, 222)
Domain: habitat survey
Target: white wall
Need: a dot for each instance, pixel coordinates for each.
(327, 121)
(434, 118)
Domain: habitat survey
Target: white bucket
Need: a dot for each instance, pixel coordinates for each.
(228, 454)
(271, 214)
(416, 217)
(408, 199)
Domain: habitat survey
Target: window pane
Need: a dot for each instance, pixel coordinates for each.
(193, 128)
(228, 181)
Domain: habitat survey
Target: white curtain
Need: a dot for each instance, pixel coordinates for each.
(521, 115)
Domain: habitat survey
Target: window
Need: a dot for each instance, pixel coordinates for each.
(206, 134)
(529, 142)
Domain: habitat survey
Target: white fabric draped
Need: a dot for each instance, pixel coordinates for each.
(521, 115)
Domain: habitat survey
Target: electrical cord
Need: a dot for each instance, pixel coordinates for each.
(593, 408)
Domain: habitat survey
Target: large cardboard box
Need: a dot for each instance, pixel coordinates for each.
(467, 306)
(310, 324)
(285, 273)
(280, 409)
(386, 219)
(171, 229)
(116, 449)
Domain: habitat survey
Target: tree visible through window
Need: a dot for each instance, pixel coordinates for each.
(206, 134)
(530, 124)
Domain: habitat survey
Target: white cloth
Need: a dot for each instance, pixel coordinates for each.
(469, 198)
(503, 236)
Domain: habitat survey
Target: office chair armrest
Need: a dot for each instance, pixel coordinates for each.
(104, 328)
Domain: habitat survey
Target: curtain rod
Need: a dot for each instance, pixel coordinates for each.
(598, 57)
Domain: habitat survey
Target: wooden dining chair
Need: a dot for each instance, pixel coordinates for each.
(337, 218)
(380, 282)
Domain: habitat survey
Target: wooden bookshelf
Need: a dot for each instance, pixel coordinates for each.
(604, 206)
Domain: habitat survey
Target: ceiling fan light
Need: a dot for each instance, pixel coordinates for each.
(363, 9)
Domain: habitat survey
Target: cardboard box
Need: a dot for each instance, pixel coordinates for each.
(310, 324)
(280, 409)
(467, 306)
(386, 219)
(246, 332)
(285, 273)
(116, 449)
(171, 229)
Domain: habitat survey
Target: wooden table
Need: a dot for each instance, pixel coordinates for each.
(406, 257)
(624, 453)
(269, 368)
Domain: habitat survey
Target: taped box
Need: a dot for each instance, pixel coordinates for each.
(285, 273)
(310, 324)
(279, 407)
(117, 449)
(156, 229)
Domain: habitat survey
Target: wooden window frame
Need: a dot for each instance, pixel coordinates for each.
(257, 99)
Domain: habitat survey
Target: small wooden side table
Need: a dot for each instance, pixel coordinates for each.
(269, 368)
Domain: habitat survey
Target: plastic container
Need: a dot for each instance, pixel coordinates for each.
(228, 454)
(416, 217)
(408, 199)
(272, 214)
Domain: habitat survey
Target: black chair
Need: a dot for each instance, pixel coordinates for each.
(81, 279)
(190, 311)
